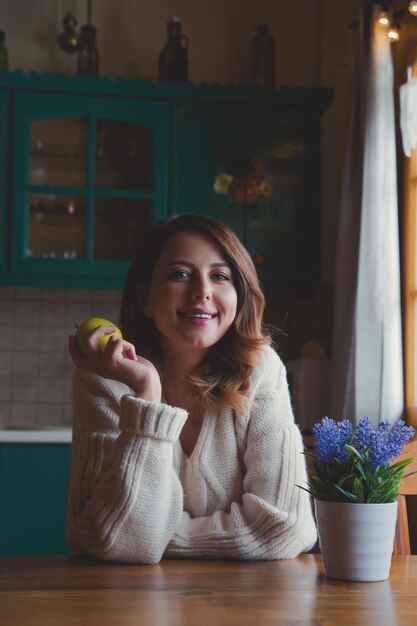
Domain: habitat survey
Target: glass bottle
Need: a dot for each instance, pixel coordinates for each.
(88, 56)
(173, 59)
(263, 58)
(3, 52)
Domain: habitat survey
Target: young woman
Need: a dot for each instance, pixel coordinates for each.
(184, 442)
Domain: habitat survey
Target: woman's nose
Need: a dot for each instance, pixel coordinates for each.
(201, 289)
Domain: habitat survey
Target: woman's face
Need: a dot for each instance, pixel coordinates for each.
(192, 297)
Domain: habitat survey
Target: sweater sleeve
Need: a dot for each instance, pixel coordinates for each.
(274, 519)
(125, 499)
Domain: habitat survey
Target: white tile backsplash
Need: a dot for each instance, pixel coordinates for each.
(6, 339)
(36, 372)
(5, 389)
(27, 313)
(53, 313)
(25, 340)
(22, 414)
(7, 313)
(76, 313)
(24, 389)
(29, 294)
(52, 339)
(52, 295)
(25, 364)
(50, 391)
(49, 414)
(6, 363)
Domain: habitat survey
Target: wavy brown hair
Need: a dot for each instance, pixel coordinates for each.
(223, 377)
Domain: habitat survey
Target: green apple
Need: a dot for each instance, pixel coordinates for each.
(84, 330)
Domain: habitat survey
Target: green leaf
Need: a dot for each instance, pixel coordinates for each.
(350, 496)
(359, 491)
(402, 464)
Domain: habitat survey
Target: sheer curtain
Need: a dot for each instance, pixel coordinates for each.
(367, 373)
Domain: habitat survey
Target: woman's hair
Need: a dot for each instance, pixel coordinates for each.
(223, 378)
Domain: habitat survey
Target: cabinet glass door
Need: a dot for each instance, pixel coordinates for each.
(92, 177)
(124, 156)
(58, 158)
(56, 226)
(58, 152)
(124, 163)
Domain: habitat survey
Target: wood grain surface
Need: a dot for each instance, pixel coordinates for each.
(76, 590)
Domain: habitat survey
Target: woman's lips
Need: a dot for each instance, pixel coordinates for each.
(199, 318)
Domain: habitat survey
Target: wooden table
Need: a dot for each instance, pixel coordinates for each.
(74, 590)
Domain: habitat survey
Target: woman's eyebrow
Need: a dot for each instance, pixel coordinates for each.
(188, 264)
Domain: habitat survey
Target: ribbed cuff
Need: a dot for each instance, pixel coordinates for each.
(151, 419)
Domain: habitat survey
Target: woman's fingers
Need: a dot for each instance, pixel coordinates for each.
(119, 361)
(129, 351)
(121, 348)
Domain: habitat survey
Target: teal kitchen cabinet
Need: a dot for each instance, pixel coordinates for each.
(33, 498)
(4, 146)
(89, 176)
(256, 167)
(94, 161)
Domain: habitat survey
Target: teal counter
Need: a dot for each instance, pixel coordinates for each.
(33, 497)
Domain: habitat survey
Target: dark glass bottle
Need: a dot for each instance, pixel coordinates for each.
(3, 52)
(263, 58)
(88, 57)
(173, 59)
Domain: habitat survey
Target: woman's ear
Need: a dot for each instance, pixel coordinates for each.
(143, 303)
(146, 309)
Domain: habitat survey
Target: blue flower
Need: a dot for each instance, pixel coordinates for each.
(363, 433)
(386, 443)
(331, 438)
(361, 471)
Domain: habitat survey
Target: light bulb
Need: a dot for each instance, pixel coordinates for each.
(384, 18)
(412, 7)
(394, 33)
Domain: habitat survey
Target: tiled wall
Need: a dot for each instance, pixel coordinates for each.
(35, 368)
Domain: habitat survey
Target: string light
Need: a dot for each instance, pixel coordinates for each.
(384, 17)
(412, 8)
(394, 33)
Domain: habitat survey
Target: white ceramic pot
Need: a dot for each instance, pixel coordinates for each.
(356, 540)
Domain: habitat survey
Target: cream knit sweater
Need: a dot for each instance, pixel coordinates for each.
(135, 496)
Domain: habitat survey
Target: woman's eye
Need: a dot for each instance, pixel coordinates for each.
(179, 275)
(221, 276)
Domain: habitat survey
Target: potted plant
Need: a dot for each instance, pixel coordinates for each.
(355, 484)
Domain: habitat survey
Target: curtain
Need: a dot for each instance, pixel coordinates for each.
(367, 372)
(408, 113)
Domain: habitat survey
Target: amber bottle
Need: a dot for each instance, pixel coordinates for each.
(263, 58)
(3, 52)
(173, 59)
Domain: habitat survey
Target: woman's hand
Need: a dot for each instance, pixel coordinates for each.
(118, 361)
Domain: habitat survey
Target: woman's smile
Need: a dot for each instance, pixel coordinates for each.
(198, 316)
